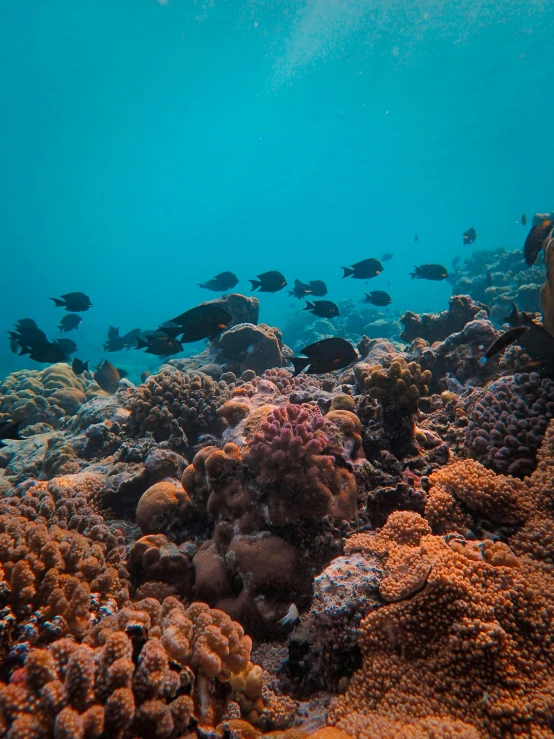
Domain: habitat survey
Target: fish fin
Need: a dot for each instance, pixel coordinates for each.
(141, 344)
(85, 366)
(299, 364)
(58, 303)
(347, 272)
(202, 284)
(24, 350)
(413, 275)
(255, 284)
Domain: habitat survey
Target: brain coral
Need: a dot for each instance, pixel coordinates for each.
(508, 423)
(118, 684)
(44, 396)
(192, 399)
(468, 655)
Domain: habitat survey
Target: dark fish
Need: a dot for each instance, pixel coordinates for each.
(107, 376)
(319, 288)
(204, 321)
(326, 355)
(70, 322)
(536, 240)
(300, 289)
(221, 282)
(416, 237)
(79, 367)
(513, 318)
(378, 297)
(504, 341)
(160, 344)
(523, 219)
(429, 272)
(122, 372)
(489, 279)
(25, 323)
(45, 352)
(9, 430)
(323, 308)
(67, 345)
(25, 335)
(387, 257)
(469, 236)
(269, 282)
(363, 270)
(117, 343)
(73, 302)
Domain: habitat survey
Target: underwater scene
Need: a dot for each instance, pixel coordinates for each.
(276, 369)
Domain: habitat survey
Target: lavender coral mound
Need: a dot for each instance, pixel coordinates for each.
(508, 424)
(190, 399)
(302, 482)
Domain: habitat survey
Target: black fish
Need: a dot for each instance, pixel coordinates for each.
(469, 236)
(70, 322)
(513, 318)
(221, 282)
(300, 289)
(387, 257)
(536, 240)
(67, 345)
(489, 279)
(523, 219)
(122, 372)
(45, 352)
(25, 335)
(326, 355)
(107, 376)
(73, 302)
(204, 321)
(9, 430)
(429, 272)
(504, 341)
(363, 270)
(319, 288)
(79, 367)
(26, 323)
(269, 282)
(323, 308)
(160, 344)
(378, 297)
(117, 343)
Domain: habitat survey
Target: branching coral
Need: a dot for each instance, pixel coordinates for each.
(144, 673)
(192, 399)
(472, 646)
(508, 423)
(298, 478)
(397, 389)
(54, 580)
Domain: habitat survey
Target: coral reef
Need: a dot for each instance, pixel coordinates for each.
(508, 423)
(438, 326)
(190, 399)
(248, 347)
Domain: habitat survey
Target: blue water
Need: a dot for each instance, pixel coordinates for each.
(146, 146)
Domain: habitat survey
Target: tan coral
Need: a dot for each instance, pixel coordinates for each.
(159, 505)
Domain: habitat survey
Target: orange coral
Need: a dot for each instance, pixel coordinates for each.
(469, 654)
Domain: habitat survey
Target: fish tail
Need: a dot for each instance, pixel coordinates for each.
(299, 364)
(58, 303)
(309, 306)
(85, 366)
(255, 284)
(202, 284)
(347, 272)
(141, 344)
(413, 275)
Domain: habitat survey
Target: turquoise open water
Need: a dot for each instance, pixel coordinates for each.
(146, 146)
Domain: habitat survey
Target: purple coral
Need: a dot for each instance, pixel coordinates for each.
(509, 421)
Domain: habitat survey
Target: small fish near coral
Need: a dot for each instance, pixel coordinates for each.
(378, 297)
(117, 343)
(73, 302)
(269, 282)
(323, 308)
(326, 355)
(205, 321)
(221, 282)
(435, 272)
(159, 343)
(503, 342)
(107, 377)
(79, 367)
